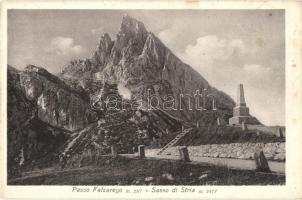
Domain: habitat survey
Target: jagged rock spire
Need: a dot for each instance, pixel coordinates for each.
(140, 60)
(101, 56)
(130, 24)
(130, 40)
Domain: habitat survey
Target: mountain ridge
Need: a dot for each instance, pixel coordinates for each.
(139, 59)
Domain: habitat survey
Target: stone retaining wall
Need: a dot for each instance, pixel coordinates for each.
(271, 130)
(272, 151)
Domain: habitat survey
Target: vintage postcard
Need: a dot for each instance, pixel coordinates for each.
(137, 99)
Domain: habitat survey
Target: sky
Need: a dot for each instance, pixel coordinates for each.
(227, 47)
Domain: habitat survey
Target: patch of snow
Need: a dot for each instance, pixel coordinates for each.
(41, 102)
(22, 157)
(124, 91)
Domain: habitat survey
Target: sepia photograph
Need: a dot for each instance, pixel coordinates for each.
(146, 97)
(184, 99)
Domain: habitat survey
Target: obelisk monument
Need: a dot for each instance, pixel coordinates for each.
(241, 112)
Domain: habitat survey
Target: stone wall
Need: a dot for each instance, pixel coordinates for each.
(271, 130)
(272, 151)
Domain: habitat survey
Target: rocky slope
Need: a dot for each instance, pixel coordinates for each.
(49, 118)
(19, 110)
(124, 128)
(29, 138)
(141, 62)
(57, 103)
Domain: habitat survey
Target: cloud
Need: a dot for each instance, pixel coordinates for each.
(64, 46)
(237, 47)
(97, 31)
(168, 37)
(171, 38)
(210, 48)
(213, 57)
(255, 68)
(227, 62)
(207, 48)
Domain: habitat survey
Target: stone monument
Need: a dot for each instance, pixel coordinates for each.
(241, 113)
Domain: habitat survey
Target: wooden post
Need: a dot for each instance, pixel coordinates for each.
(218, 121)
(244, 126)
(197, 124)
(90, 153)
(141, 151)
(261, 162)
(113, 150)
(184, 154)
(280, 133)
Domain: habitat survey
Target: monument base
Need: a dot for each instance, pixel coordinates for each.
(246, 119)
(241, 111)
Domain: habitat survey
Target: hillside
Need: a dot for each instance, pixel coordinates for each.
(29, 138)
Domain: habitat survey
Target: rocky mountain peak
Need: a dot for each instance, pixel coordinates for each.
(155, 50)
(38, 70)
(101, 56)
(139, 60)
(130, 39)
(106, 37)
(131, 25)
(105, 42)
